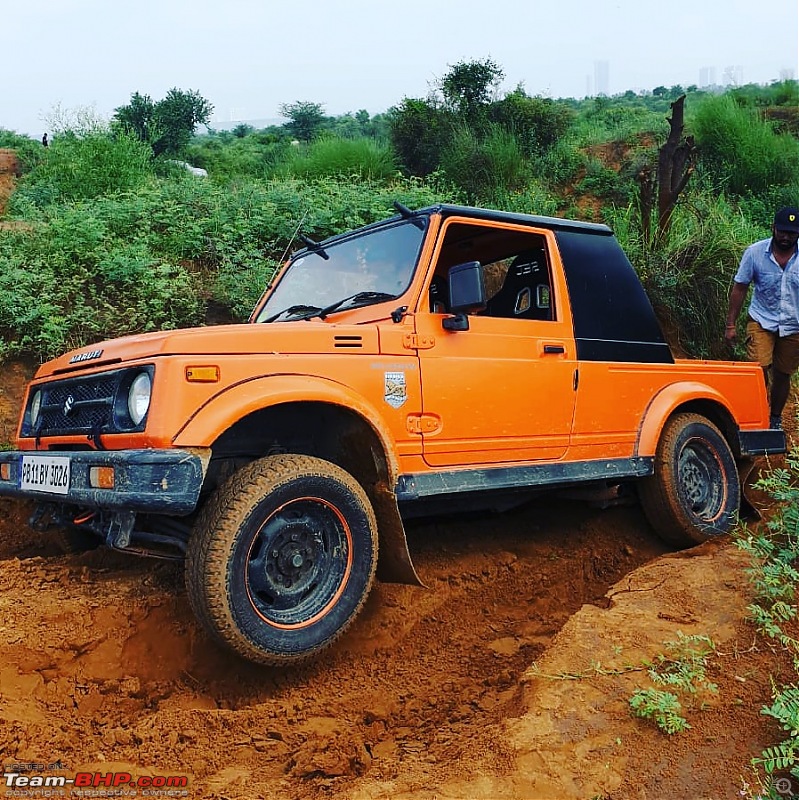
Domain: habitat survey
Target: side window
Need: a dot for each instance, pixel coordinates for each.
(438, 295)
(515, 265)
(524, 286)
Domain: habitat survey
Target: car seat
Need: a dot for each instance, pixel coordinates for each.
(526, 282)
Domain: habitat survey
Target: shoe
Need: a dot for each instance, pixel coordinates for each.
(775, 423)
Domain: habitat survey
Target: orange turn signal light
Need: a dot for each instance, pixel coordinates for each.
(202, 374)
(101, 477)
(5, 472)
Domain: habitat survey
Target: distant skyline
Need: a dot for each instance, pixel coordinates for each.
(247, 57)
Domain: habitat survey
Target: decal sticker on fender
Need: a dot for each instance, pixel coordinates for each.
(396, 391)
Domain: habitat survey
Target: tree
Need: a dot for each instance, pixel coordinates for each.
(469, 85)
(675, 164)
(177, 117)
(306, 119)
(168, 125)
(137, 116)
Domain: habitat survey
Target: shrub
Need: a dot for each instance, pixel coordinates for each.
(420, 133)
(79, 167)
(483, 167)
(537, 123)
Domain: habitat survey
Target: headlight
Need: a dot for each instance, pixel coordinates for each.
(139, 397)
(36, 407)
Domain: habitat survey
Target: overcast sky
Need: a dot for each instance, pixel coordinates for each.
(247, 57)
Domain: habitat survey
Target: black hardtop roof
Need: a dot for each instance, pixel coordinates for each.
(472, 212)
(555, 223)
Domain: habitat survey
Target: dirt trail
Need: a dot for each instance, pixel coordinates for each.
(435, 693)
(103, 662)
(508, 677)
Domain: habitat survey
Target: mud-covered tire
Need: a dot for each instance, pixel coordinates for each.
(282, 558)
(72, 539)
(695, 492)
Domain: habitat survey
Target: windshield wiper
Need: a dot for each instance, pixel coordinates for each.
(292, 310)
(353, 301)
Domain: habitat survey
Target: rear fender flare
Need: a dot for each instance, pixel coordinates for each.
(665, 403)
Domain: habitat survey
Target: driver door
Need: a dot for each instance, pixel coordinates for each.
(503, 390)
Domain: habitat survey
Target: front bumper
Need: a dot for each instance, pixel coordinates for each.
(150, 481)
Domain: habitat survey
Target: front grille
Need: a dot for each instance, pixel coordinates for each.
(84, 405)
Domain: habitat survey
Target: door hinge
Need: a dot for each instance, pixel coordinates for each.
(413, 341)
(423, 423)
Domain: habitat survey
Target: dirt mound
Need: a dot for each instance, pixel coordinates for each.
(9, 172)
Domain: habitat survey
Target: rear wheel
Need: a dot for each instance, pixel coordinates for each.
(695, 491)
(282, 558)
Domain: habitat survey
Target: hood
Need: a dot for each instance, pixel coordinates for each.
(284, 338)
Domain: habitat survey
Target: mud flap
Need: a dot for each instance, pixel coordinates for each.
(394, 563)
(749, 511)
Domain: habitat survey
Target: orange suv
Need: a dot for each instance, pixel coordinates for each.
(445, 358)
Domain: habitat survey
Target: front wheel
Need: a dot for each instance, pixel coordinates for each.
(282, 558)
(695, 491)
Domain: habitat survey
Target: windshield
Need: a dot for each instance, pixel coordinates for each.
(372, 267)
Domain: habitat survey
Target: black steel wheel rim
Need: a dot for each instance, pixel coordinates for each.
(298, 563)
(702, 481)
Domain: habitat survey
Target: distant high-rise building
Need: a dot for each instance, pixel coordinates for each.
(601, 77)
(733, 76)
(787, 74)
(707, 77)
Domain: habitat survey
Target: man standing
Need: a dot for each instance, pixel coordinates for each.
(772, 332)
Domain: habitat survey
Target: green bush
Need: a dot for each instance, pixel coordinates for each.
(80, 167)
(537, 123)
(157, 257)
(29, 152)
(420, 134)
(482, 167)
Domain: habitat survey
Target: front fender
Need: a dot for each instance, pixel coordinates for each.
(233, 403)
(663, 405)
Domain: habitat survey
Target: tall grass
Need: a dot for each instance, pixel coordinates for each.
(363, 158)
(744, 153)
(689, 277)
(484, 167)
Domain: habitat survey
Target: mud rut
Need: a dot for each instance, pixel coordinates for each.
(104, 663)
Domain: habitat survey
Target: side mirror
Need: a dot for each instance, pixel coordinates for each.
(467, 294)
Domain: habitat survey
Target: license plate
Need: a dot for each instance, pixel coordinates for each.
(45, 474)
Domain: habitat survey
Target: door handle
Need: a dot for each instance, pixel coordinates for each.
(553, 348)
